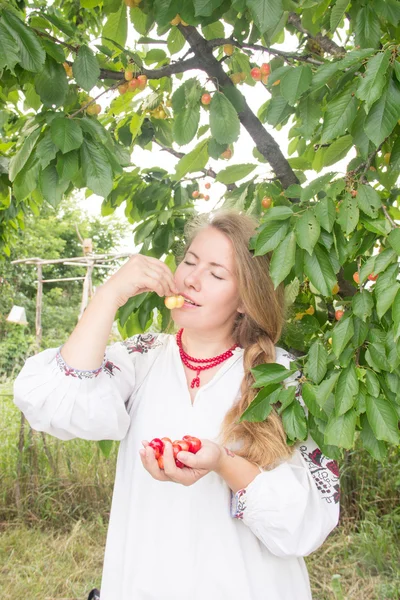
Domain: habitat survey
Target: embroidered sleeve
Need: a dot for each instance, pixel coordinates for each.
(238, 504)
(67, 402)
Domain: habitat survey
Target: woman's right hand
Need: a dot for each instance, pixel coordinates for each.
(140, 274)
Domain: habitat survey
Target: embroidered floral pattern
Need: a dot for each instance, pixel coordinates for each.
(238, 504)
(325, 473)
(107, 366)
(142, 343)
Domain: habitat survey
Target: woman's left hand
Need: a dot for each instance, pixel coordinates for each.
(196, 465)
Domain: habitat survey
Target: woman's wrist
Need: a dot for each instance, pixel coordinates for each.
(237, 472)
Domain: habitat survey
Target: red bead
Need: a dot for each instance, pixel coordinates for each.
(216, 360)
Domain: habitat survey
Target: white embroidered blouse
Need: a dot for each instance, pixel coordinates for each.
(169, 541)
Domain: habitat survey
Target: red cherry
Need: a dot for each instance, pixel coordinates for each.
(372, 277)
(356, 277)
(183, 444)
(339, 314)
(179, 464)
(176, 448)
(158, 447)
(207, 185)
(256, 73)
(194, 443)
(206, 98)
(160, 461)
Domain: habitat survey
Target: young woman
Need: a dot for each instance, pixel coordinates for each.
(236, 522)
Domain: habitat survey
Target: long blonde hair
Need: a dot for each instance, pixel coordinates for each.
(257, 331)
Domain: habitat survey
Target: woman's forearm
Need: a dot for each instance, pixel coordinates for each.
(85, 347)
(236, 471)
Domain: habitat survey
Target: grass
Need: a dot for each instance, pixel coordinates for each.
(52, 544)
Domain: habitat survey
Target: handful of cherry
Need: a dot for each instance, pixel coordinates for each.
(187, 444)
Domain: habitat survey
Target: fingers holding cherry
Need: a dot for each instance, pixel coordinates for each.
(160, 446)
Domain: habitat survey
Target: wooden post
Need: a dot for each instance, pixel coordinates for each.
(39, 300)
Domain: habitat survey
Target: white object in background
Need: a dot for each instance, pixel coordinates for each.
(17, 315)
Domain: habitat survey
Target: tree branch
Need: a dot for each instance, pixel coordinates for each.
(287, 55)
(167, 71)
(265, 143)
(324, 41)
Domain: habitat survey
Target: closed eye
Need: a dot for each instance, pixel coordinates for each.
(192, 264)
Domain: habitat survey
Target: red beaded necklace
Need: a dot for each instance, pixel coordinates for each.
(216, 360)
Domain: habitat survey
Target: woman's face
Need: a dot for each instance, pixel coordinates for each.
(206, 275)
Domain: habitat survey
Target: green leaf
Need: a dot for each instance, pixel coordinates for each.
(346, 388)
(213, 30)
(32, 54)
(67, 165)
(26, 180)
(106, 447)
(325, 213)
(18, 161)
(342, 334)
(394, 240)
(266, 13)
(283, 259)
(340, 114)
(383, 419)
(315, 186)
(308, 393)
(234, 173)
(96, 168)
(376, 357)
(310, 113)
(371, 86)
(261, 406)
(317, 362)
(295, 82)
(9, 53)
(116, 27)
(376, 448)
(372, 383)
(66, 134)
(193, 161)
(51, 83)
(86, 69)
(278, 213)
(278, 110)
(53, 50)
(50, 186)
(337, 13)
(340, 430)
(385, 298)
(61, 24)
(269, 373)
(205, 8)
(396, 315)
(369, 200)
(307, 231)
(224, 121)
(367, 28)
(319, 270)
(295, 422)
(348, 214)
(383, 116)
(270, 236)
(175, 40)
(337, 150)
(323, 74)
(46, 150)
(186, 124)
(362, 305)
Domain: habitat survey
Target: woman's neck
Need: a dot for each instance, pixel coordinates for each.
(205, 345)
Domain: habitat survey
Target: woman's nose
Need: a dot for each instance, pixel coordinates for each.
(193, 280)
